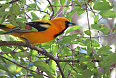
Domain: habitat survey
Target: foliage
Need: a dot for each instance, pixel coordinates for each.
(88, 54)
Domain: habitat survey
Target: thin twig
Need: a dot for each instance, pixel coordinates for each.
(60, 69)
(59, 49)
(102, 36)
(72, 67)
(6, 52)
(63, 5)
(52, 9)
(89, 30)
(29, 64)
(99, 39)
(10, 2)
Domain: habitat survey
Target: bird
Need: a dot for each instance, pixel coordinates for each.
(47, 30)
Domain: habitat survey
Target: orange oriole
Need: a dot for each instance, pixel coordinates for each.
(47, 30)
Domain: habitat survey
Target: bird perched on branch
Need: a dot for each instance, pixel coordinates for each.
(46, 30)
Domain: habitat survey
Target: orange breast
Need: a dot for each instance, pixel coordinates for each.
(39, 37)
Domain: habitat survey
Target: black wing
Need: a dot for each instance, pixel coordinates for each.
(40, 26)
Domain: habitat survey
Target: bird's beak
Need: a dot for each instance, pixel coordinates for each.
(71, 23)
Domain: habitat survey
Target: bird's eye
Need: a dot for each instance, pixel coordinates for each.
(66, 22)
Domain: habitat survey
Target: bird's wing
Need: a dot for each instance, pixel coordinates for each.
(38, 25)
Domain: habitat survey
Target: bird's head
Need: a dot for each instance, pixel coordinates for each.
(61, 24)
(63, 21)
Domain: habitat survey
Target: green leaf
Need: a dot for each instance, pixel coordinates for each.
(69, 14)
(1, 32)
(24, 54)
(105, 50)
(34, 16)
(4, 77)
(101, 27)
(52, 64)
(23, 1)
(14, 56)
(23, 62)
(56, 8)
(20, 23)
(15, 9)
(96, 19)
(5, 69)
(18, 68)
(94, 43)
(4, 6)
(35, 75)
(90, 65)
(72, 29)
(62, 2)
(85, 74)
(108, 13)
(87, 32)
(108, 60)
(79, 10)
(32, 5)
(68, 2)
(54, 49)
(68, 39)
(102, 6)
(3, 16)
(77, 2)
(5, 48)
(44, 67)
(84, 59)
(46, 17)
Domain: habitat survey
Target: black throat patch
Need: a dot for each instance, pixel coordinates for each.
(66, 26)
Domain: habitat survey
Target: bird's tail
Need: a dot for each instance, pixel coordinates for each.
(3, 26)
(6, 27)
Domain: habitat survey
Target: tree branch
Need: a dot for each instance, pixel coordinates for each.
(10, 2)
(102, 36)
(89, 30)
(60, 69)
(52, 9)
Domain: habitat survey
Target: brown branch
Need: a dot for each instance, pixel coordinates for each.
(24, 67)
(10, 2)
(6, 52)
(102, 36)
(29, 65)
(64, 5)
(72, 68)
(52, 9)
(89, 31)
(60, 69)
